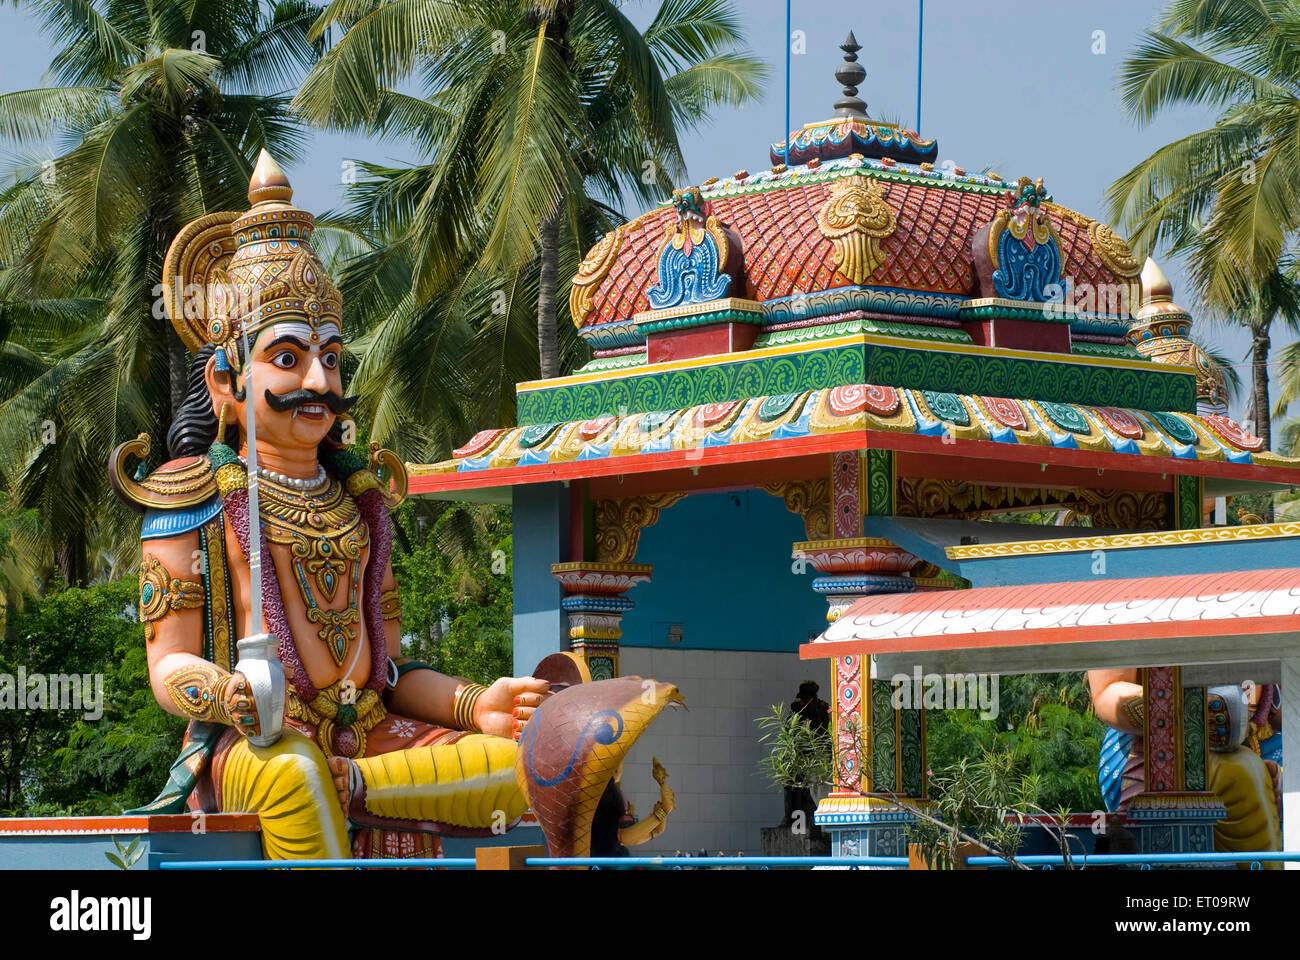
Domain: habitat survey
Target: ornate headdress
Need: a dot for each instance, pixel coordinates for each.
(227, 273)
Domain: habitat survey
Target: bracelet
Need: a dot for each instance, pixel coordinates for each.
(1135, 709)
(201, 690)
(462, 707)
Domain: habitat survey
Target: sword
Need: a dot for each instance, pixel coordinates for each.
(259, 653)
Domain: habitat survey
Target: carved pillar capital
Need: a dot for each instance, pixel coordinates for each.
(595, 603)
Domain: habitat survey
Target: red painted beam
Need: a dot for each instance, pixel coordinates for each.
(797, 447)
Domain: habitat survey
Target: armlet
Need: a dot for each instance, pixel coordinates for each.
(161, 593)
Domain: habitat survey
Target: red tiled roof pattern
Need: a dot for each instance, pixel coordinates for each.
(785, 252)
(1076, 254)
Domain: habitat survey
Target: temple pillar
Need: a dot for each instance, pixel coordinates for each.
(880, 748)
(595, 603)
(1175, 813)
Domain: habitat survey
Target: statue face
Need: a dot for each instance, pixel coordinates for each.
(299, 367)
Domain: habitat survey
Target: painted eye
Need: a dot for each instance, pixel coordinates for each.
(284, 360)
(330, 361)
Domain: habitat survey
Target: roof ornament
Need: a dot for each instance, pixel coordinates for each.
(700, 257)
(851, 74)
(849, 130)
(1162, 329)
(1018, 253)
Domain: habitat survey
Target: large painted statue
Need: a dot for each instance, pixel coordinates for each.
(1244, 755)
(367, 753)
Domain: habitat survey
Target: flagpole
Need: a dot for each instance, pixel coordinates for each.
(786, 135)
(920, 34)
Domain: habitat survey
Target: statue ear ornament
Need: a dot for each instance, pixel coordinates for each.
(221, 421)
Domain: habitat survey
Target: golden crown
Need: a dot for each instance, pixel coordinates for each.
(229, 273)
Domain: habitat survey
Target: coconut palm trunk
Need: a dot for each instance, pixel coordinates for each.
(1260, 344)
(548, 340)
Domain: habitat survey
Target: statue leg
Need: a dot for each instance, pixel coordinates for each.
(1243, 784)
(289, 785)
(470, 783)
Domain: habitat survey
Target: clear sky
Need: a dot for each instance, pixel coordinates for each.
(1024, 86)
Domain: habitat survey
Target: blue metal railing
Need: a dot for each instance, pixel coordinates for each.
(457, 863)
(1144, 861)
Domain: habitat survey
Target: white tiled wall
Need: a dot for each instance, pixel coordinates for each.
(710, 749)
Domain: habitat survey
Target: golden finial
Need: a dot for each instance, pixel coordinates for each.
(1156, 287)
(268, 184)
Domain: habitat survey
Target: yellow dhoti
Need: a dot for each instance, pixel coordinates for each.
(467, 783)
(1242, 782)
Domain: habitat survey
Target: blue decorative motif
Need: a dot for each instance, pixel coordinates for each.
(688, 273)
(169, 522)
(1023, 271)
(604, 727)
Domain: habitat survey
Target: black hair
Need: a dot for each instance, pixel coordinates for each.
(194, 427)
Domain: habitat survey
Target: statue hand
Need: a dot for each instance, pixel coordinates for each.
(506, 706)
(239, 706)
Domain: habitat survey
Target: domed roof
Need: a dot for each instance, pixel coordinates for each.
(1161, 331)
(787, 251)
(869, 180)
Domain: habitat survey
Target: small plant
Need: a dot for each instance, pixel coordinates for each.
(798, 756)
(127, 856)
(984, 802)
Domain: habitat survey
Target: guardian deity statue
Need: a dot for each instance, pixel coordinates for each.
(363, 752)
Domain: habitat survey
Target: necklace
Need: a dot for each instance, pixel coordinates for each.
(304, 484)
(325, 537)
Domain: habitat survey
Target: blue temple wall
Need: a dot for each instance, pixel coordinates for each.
(722, 570)
(541, 528)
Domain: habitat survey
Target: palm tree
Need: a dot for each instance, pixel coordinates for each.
(162, 106)
(1229, 195)
(537, 118)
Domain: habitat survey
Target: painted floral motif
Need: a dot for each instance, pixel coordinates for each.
(480, 442)
(711, 414)
(1121, 422)
(1065, 417)
(1234, 433)
(1006, 412)
(947, 407)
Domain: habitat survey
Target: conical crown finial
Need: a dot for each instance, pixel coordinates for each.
(1156, 287)
(851, 74)
(269, 183)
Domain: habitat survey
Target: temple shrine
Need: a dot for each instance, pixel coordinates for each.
(818, 394)
(811, 386)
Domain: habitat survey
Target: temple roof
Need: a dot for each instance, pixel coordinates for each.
(866, 297)
(938, 212)
(1235, 613)
(925, 413)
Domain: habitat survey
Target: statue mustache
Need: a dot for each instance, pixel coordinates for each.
(283, 402)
